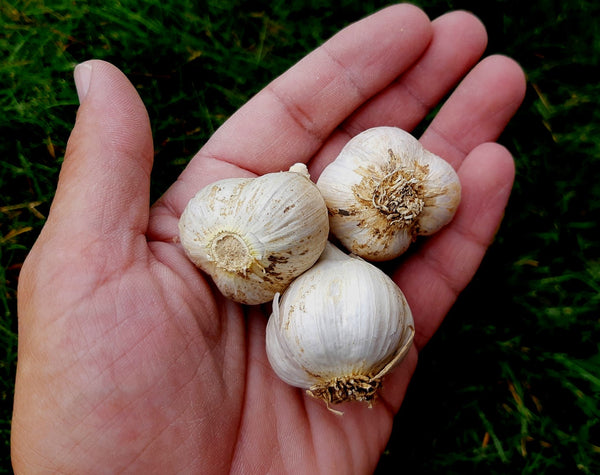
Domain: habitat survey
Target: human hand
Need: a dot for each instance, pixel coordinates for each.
(128, 358)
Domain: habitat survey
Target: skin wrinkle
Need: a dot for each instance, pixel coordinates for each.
(235, 317)
(30, 445)
(211, 332)
(166, 204)
(196, 463)
(205, 155)
(93, 434)
(433, 263)
(147, 443)
(167, 424)
(501, 112)
(405, 370)
(278, 442)
(125, 351)
(362, 94)
(83, 421)
(303, 401)
(215, 328)
(314, 413)
(450, 143)
(98, 339)
(170, 268)
(164, 266)
(382, 399)
(240, 439)
(302, 118)
(353, 126)
(126, 152)
(472, 237)
(118, 139)
(299, 117)
(90, 414)
(183, 351)
(244, 411)
(168, 200)
(104, 217)
(293, 396)
(436, 268)
(129, 257)
(419, 100)
(191, 380)
(84, 299)
(354, 454)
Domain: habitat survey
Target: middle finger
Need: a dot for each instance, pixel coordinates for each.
(459, 40)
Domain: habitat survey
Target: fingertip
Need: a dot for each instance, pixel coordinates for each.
(411, 9)
(413, 15)
(501, 155)
(509, 75)
(467, 26)
(404, 8)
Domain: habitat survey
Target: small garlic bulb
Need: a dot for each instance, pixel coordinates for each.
(384, 189)
(339, 328)
(253, 236)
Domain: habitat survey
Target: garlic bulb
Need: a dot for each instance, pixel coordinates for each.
(339, 328)
(254, 235)
(384, 189)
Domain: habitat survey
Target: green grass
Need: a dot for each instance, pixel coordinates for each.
(511, 382)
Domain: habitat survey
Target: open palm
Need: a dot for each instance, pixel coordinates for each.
(129, 360)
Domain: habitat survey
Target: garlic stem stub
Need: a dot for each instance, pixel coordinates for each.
(253, 236)
(339, 328)
(384, 189)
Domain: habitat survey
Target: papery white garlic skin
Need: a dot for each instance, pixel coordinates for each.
(254, 235)
(384, 189)
(339, 328)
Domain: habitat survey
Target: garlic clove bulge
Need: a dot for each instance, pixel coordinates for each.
(254, 235)
(384, 189)
(339, 328)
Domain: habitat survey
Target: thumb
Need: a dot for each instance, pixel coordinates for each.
(103, 190)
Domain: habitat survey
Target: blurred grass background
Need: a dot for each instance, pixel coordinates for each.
(511, 382)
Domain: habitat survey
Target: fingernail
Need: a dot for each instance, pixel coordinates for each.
(82, 75)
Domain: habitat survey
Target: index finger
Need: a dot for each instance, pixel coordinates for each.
(288, 121)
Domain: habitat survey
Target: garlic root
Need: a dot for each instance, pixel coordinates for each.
(384, 189)
(253, 236)
(339, 328)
